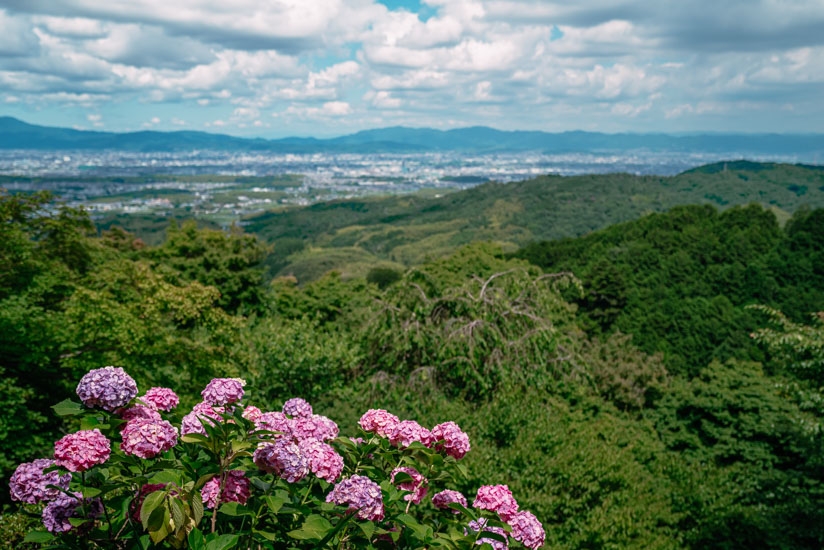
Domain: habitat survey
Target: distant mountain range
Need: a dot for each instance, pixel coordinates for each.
(16, 134)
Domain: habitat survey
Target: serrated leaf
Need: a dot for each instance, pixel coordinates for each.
(39, 537)
(67, 407)
(368, 528)
(315, 527)
(150, 504)
(197, 508)
(77, 522)
(485, 534)
(158, 519)
(91, 492)
(223, 542)
(240, 445)
(402, 477)
(463, 509)
(234, 509)
(196, 540)
(178, 514)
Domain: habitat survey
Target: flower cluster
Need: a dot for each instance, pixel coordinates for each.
(223, 391)
(408, 431)
(57, 513)
(417, 486)
(455, 442)
(378, 421)
(148, 438)
(481, 525)
(527, 529)
(274, 422)
(161, 399)
(314, 427)
(235, 489)
(28, 483)
(297, 407)
(324, 462)
(139, 412)
(496, 498)
(193, 422)
(108, 388)
(445, 498)
(81, 450)
(361, 495)
(252, 413)
(283, 458)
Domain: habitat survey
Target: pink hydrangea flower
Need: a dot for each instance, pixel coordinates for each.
(408, 431)
(378, 421)
(455, 442)
(161, 399)
(297, 407)
(193, 422)
(81, 450)
(481, 525)
(28, 482)
(418, 485)
(57, 513)
(324, 462)
(325, 428)
(252, 413)
(275, 422)
(527, 529)
(284, 458)
(236, 489)
(496, 498)
(223, 391)
(444, 498)
(108, 388)
(357, 440)
(139, 412)
(148, 438)
(309, 428)
(361, 495)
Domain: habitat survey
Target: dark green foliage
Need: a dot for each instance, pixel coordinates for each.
(383, 276)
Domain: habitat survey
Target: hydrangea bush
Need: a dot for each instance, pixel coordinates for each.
(233, 475)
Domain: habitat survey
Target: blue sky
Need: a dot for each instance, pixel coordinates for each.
(328, 67)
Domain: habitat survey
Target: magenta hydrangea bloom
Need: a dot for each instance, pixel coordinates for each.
(81, 450)
(496, 498)
(284, 458)
(252, 413)
(527, 529)
(275, 422)
(297, 407)
(418, 485)
(28, 482)
(108, 388)
(223, 391)
(236, 489)
(324, 462)
(481, 525)
(193, 422)
(407, 431)
(161, 399)
(444, 498)
(455, 442)
(314, 427)
(357, 440)
(361, 495)
(57, 513)
(148, 438)
(378, 421)
(139, 412)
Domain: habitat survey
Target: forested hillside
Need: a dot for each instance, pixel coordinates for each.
(398, 232)
(616, 382)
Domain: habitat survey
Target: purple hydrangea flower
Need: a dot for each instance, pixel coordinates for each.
(527, 529)
(148, 438)
(407, 431)
(324, 462)
(28, 482)
(283, 457)
(236, 489)
(223, 391)
(496, 498)
(481, 525)
(444, 498)
(455, 442)
(297, 407)
(378, 421)
(275, 422)
(81, 450)
(139, 412)
(108, 388)
(418, 485)
(161, 399)
(314, 427)
(252, 413)
(57, 513)
(361, 495)
(192, 423)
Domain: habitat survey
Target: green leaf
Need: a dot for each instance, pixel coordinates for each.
(194, 438)
(39, 537)
(158, 519)
(196, 540)
(266, 534)
(150, 503)
(315, 527)
(492, 535)
(91, 492)
(368, 529)
(240, 445)
(275, 502)
(178, 515)
(402, 477)
(223, 542)
(459, 507)
(67, 407)
(419, 530)
(197, 508)
(234, 509)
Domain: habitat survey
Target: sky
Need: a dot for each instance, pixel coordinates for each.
(276, 68)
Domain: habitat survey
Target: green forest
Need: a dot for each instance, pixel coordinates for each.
(653, 383)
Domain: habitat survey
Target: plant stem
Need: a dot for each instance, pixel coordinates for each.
(308, 490)
(219, 497)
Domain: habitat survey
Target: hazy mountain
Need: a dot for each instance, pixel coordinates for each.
(16, 134)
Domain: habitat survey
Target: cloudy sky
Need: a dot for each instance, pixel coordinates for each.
(328, 67)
